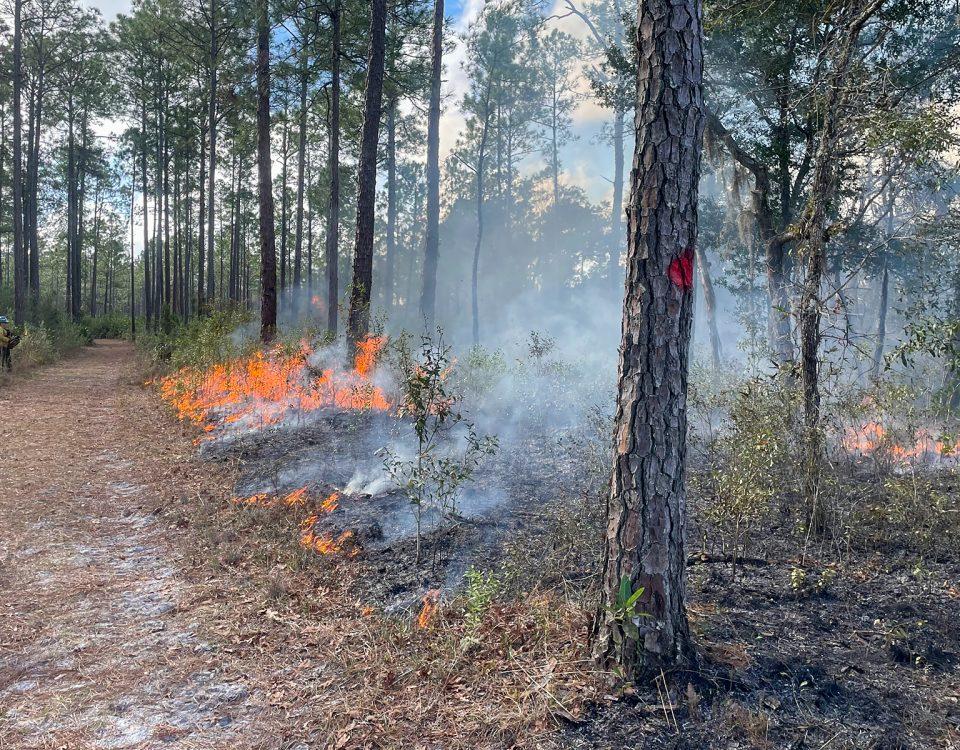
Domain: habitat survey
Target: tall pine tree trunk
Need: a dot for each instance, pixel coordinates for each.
(71, 209)
(19, 247)
(268, 251)
(201, 223)
(710, 305)
(428, 296)
(332, 249)
(647, 505)
(478, 244)
(212, 171)
(33, 180)
(391, 258)
(147, 275)
(301, 167)
(96, 250)
(813, 235)
(358, 324)
(284, 255)
(133, 262)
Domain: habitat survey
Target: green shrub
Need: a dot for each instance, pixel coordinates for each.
(112, 326)
(201, 343)
(748, 461)
(479, 372)
(36, 348)
(479, 593)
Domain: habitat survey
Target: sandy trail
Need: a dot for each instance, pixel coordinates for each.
(101, 625)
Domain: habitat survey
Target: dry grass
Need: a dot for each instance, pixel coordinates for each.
(353, 676)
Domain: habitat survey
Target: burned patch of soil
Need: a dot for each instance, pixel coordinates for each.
(870, 662)
(863, 657)
(342, 452)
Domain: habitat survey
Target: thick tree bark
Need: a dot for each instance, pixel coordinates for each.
(332, 247)
(358, 324)
(647, 505)
(428, 296)
(268, 251)
(19, 247)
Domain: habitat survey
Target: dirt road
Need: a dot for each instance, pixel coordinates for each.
(101, 620)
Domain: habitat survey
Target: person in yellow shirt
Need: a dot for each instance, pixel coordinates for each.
(6, 338)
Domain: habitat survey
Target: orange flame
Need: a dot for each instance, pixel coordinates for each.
(430, 602)
(331, 503)
(872, 438)
(263, 388)
(326, 543)
(297, 497)
(266, 500)
(261, 498)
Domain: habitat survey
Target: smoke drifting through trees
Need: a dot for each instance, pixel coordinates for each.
(514, 226)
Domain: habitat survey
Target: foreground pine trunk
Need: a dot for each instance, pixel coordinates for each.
(358, 323)
(643, 632)
(268, 251)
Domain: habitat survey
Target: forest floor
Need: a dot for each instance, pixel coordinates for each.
(105, 626)
(142, 607)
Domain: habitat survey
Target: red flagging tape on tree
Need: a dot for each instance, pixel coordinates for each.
(681, 269)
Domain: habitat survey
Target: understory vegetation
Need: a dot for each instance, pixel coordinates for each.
(503, 617)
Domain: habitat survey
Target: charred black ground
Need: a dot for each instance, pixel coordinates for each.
(799, 647)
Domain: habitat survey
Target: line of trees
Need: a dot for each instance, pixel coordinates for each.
(172, 86)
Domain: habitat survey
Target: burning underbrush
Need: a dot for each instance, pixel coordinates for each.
(279, 386)
(484, 632)
(918, 447)
(373, 465)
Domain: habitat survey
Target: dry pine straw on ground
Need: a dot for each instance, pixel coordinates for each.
(341, 672)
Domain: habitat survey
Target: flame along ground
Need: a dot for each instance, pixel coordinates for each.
(323, 544)
(872, 438)
(431, 601)
(264, 388)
